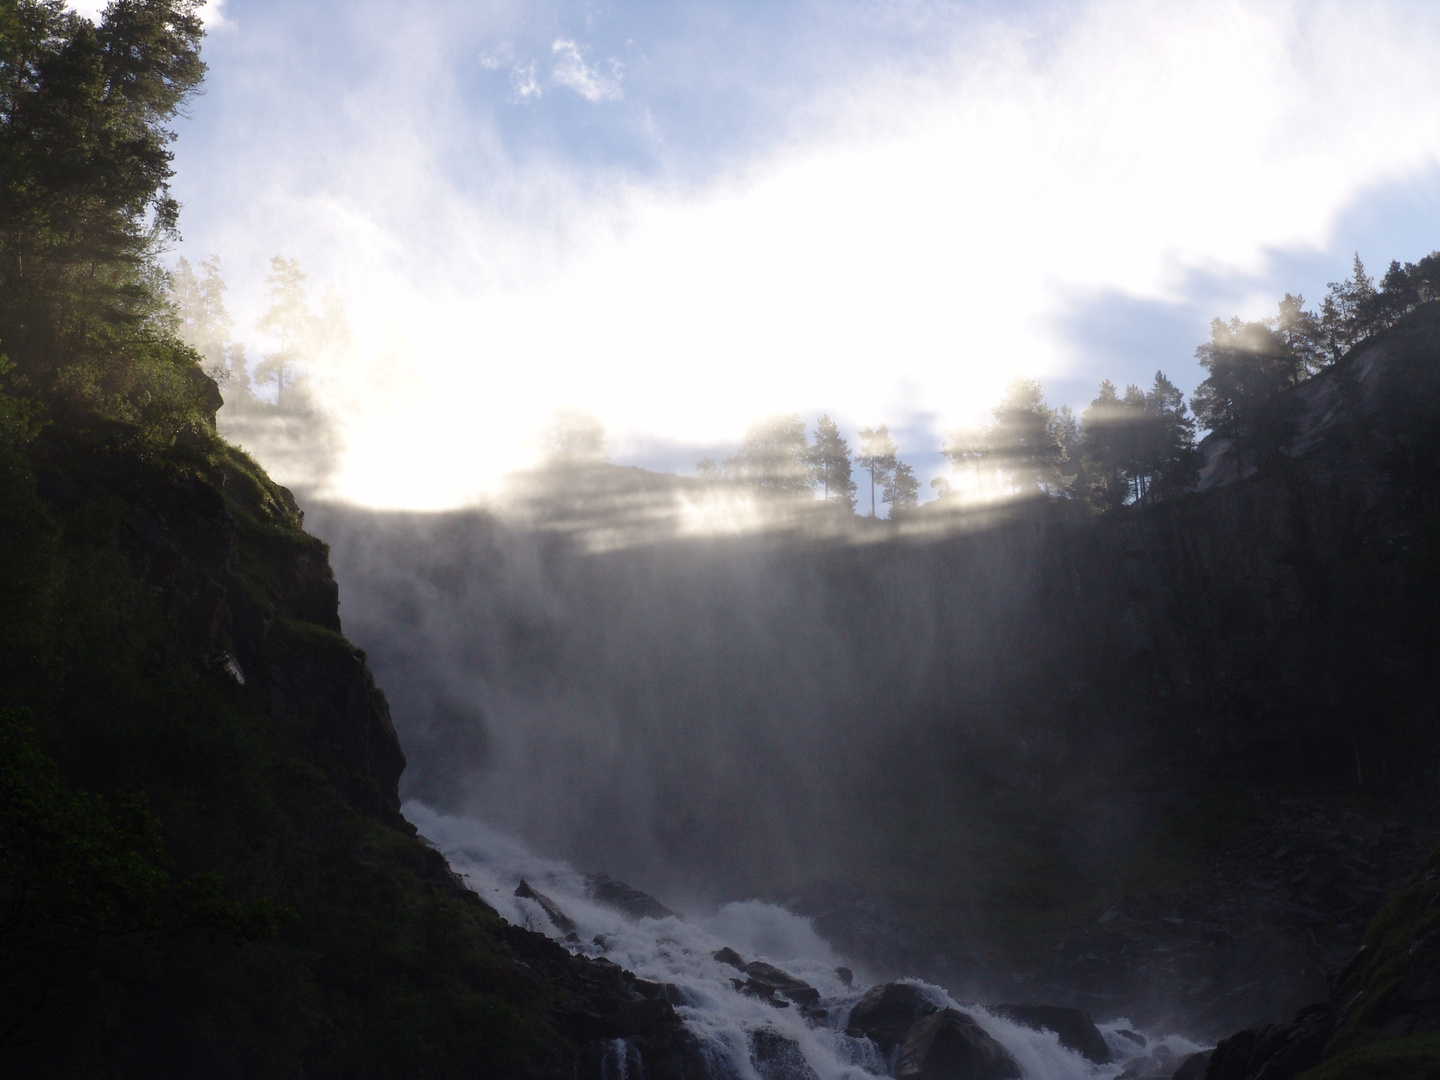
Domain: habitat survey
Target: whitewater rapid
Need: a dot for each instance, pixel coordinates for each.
(680, 951)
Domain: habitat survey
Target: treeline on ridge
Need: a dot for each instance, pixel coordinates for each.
(1139, 446)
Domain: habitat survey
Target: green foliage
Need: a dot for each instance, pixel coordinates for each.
(84, 207)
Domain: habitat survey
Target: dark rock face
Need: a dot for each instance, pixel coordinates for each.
(777, 1058)
(1275, 1051)
(557, 917)
(634, 903)
(1193, 1067)
(1248, 940)
(1074, 1027)
(887, 1013)
(948, 1045)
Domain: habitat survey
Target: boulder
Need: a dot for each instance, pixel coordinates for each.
(781, 982)
(845, 975)
(887, 1012)
(776, 1057)
(729, 956)
(949, 1045)
(1074, 1027)
(1193, 1067)
(1275, 1051)
(558, 918)
(604, 889)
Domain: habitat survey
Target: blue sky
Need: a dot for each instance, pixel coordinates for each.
(683, 216)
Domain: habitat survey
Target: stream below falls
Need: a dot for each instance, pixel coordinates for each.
(745, 1035)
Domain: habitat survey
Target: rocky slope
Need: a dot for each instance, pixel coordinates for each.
(203, 868)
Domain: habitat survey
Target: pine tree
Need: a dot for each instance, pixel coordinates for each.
(84, 200)
(199, 303)
(290, 321)
(902, 489)
(877, 457)
(1248, 367)
(1102, 449)
(774, 457)
(966, 448)
(1025, 440)
(829, 461)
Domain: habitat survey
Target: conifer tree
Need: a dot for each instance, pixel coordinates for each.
(84, 200)
(902, 489)
(290, 321)
(774, 457)
(829, 461)
(199, 302)
(1248, 367)
(1025, 440)
(877, 457)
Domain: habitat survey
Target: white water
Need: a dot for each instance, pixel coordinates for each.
(680, 951)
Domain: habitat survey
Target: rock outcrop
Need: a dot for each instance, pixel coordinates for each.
(887, 1012)
(949, 1045)
(1074, 1027)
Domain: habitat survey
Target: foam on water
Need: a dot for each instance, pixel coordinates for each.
(680, 951)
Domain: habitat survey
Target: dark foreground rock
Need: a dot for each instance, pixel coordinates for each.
(777, 1058)
(1075, 1028)
(1275, 1051)
(886, 1014)
(604, 889)
(557, 917)
(948, 1045)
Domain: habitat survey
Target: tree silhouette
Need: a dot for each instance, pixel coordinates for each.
(877, 457)
(1248, 366)
(1105, 449)
(1025, 441)
(829, 461)
(290, 321)
(966, 448)
(774, 457)
(902, 489)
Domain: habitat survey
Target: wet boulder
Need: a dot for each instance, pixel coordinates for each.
(558, 918)
(781, 982)
(604, 889)
(887, 1012)
(729, 956)
(1074, 1027)
(949, 1045)
(776, 1057)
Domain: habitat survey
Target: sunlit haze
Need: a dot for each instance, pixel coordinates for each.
(684, 217)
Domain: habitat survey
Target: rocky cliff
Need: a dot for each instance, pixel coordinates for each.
(204, 869)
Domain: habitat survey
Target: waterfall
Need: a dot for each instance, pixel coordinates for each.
(743, 1035)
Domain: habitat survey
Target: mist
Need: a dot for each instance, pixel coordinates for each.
(884, 213)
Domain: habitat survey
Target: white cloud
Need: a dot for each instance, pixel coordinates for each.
(905, 253)
(570, 70)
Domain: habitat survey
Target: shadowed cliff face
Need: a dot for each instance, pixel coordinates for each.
(172, 656)
(998, 719)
